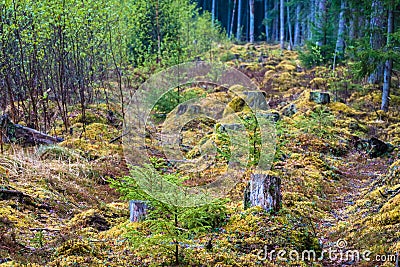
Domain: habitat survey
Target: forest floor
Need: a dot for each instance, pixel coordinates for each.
(57, 208)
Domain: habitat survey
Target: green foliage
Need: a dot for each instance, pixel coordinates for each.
(224, 144)
(168, 228)
(314, 55)
(253, 130)
(168, 32)
(319, 122)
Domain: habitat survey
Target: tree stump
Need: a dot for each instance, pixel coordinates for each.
(264, 191)
(138, 210)
(320, 97)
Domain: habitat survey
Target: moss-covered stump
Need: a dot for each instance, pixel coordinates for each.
(138, 210)
(264, 191)
(320, 97)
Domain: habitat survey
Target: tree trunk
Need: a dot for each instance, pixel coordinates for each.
(239, 25)
(340, 39)
(388, 64)
(267, 38)
(228, 20)
(138, 210)
(233, 19)
(282, 23)
(297, 26)
(321, 23)
(213, 12)
(289, 24)
(353, 24)
(247, 22)
(311, 20)
(377, 40)
(276, 21)
(264, 191)
(251, 10)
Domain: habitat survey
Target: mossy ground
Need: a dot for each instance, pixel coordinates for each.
(331, 190)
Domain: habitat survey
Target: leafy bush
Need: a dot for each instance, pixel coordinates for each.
(318, 122)
(316, 55)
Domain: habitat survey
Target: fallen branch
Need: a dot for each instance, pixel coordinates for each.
(45, 229)
(117, 138)
(15, 133)
(6, 194)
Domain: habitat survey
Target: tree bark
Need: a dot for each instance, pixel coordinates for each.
(251, 10)
(321, 23)
(213, 12)
(377, 40)
(387, 77)
(264, 191)
(267, 38)
(311, 20)
(138, 210)
(239, 25)
(282, 24)
(353, 24)
(340, 45)
(289, 24)
(276, 21)
(297, 26)
(233, 19)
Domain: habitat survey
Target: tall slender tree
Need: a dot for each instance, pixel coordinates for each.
(377, 39)
(282, 23)
(239, 21)
(387, 77)
(289, 24)
(297, 25)
(213, 10)
(232, 19)
(266, 21)
(340, 44)
(251, 13)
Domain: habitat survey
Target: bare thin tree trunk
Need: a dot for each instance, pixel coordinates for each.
(289, 24)
(282, 24)
(353, 24)
(297, 26)
(228, 20)
(239, 25)
(213, 12)
(276, 21)
(388, 64)
(340, 39)
(377, 39)
(233, 18)
(251, 10)
(321, 23)
(267, 38)
(311, 19)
